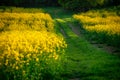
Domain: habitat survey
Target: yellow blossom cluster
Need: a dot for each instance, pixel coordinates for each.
(28, 45)
(107, 22)
(23, 21)
(19, 48)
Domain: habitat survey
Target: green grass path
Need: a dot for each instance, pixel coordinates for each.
(84, 61)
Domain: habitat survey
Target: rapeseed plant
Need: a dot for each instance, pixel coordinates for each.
(110, 24)
(29, 48)
(32, 49)
(23, 21)
(104, 24)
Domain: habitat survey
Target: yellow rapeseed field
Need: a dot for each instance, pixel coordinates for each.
(103, 21)
(20, 48)
(29, 46)
(23, 21)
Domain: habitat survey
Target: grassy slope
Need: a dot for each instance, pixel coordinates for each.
(85, 62)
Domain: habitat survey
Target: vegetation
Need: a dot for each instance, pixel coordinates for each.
(80, 5)
(30, 55)
(103, 26)
(29, 47)
(29, 3)
(50, 43)
(20, 9)
(77, 5)
(26, 21)
(85, 61)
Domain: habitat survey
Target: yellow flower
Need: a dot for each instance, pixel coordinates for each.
(6, 63)
(27, 64)
(26, 40)
(55, 56)
(37, 59)
(28, 55)
(17, 59)
(109, 24)
(17, 68)
(21, 55)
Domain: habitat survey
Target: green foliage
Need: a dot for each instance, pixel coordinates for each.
(83, 5)
(86, 62)
(68, 4)
(29, 3)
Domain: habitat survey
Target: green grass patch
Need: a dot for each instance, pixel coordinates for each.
(87, 62)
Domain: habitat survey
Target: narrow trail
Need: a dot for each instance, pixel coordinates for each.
(62, 30)
(75, 29)
(69, 30)
(77, 49)
(104, 47)
(75, 74)
(109, 49)
(85, 60)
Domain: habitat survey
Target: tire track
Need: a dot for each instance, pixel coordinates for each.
(62, 29)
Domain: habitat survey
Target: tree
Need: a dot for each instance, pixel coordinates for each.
(83, 4)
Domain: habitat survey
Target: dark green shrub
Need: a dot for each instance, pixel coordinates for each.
(83, 4)
(29, 3)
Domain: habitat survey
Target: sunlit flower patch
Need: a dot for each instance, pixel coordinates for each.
(103, 24)
(23, 52)
(23, 21)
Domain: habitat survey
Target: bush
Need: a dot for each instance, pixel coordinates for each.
(29, 3)
(30, 55)
(83, 4)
